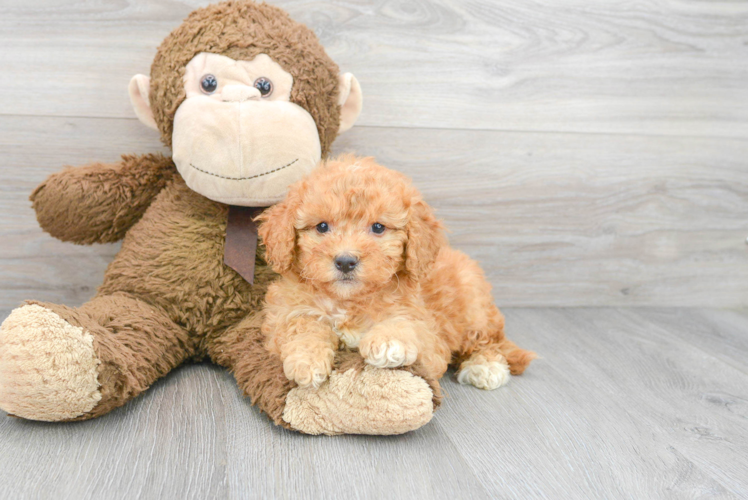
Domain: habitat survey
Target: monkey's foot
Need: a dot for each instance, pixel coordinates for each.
(48, 367)
(368, 401)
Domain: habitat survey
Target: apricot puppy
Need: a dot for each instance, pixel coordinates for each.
(365, 265)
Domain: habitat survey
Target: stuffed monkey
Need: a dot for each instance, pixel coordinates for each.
(249, 102)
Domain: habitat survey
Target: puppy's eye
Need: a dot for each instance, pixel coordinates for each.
(208, 84)
(264, 85)
(377, 228)
(322, 227)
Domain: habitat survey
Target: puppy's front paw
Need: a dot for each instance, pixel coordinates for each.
(307, 370)
(388, 354)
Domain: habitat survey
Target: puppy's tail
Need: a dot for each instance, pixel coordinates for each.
(517, 358)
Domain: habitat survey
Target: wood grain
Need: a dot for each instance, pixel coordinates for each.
(618, 407)
(624, 403)
(661, 67)
(553, 218)
(169, 444)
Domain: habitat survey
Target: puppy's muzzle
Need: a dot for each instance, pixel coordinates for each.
(345, 263)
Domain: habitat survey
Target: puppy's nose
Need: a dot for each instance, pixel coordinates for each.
(346, 263)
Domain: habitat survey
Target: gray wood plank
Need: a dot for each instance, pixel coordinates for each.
(663, 67)
(169, 443)
(271, 462)
(616, 408)
(619, 406)
(719, 333)
(554, 219)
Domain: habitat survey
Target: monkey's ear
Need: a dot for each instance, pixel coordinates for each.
(140, 89)
(350, 101)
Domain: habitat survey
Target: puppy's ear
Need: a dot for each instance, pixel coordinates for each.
(279, 234)
(425, 238)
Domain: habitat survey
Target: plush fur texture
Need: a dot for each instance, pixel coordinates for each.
(245, 30)
(348, 409)
(411, 300)
(167, 297)
(99, 202)
(49, 371)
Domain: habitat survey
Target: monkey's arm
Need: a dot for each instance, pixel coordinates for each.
(98, 203)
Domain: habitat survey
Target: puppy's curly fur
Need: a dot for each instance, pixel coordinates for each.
(366, 265)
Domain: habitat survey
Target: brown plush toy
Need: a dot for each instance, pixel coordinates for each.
(249, 103)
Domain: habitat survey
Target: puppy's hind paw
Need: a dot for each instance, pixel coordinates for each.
(484, 374)
(390, 354)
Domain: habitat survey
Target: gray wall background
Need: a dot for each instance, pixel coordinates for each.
(585, 152)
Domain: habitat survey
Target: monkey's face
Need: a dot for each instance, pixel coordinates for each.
(238, 139)
(247, 99)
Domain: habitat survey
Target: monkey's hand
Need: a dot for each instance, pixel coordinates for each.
(99, 202)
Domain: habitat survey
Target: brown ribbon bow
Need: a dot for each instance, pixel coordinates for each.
(241, 240)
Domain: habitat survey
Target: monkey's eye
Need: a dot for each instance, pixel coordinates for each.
(264, 85)
(377, 228)
(322, 227)
(208, 84)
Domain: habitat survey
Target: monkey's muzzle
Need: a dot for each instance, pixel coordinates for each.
(243, 153)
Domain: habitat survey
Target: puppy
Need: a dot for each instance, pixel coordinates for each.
(366, 265)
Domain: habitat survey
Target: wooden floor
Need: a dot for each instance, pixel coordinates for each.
(625, 403)
(586, 152)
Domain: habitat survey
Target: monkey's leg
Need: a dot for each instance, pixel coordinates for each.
(357, 398)
(59, 363)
